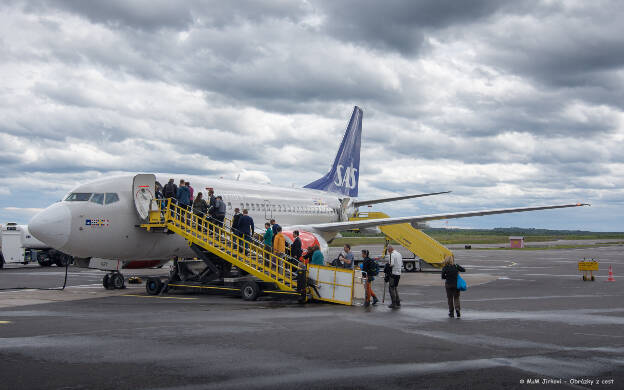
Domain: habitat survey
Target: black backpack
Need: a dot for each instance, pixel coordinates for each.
(375, 268)
(387, 272)
(169, 190)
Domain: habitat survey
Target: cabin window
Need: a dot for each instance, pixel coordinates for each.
(97, 198)
(78, 197)
(111, 197)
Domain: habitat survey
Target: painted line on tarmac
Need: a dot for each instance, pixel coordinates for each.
(532, 365)
(562, 276)
(151, 296)
(86, 285)
(597, 334)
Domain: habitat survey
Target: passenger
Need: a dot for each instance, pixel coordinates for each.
(184, 201)
(308, 255)
(188, 184)
(220, 210)
(200, 207)
(159, 193)
(279, 242)
(170, 190)
(234, 227)
(449, 273)
(183, 195)
(268, 237)
(246, 227)
(160, 203)
(346, 257)
(372, 269)
(396, 262)
(295, 247)
(317, 256)
(235, 220)
(274, 226)
(212, 204)
(180, 185)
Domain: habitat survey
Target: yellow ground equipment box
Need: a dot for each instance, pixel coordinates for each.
(588, 268)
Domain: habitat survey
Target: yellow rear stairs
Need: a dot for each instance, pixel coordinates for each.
(417, 242)
(287, 274)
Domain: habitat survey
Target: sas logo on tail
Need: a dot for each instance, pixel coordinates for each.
(347, 179)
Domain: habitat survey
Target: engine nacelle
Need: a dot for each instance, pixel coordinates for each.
(308, 239)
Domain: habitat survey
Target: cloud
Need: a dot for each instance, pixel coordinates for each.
(24, 210)
(506, 104)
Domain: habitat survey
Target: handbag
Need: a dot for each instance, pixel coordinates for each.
(461, 283)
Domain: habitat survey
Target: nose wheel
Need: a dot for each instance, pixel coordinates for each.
(113, 281)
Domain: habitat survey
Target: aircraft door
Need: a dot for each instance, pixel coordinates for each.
(268, 213)
(143, 190)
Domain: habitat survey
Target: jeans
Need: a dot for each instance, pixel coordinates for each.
(394, 292)
(247, 238)
(452, 296)
(369, 290)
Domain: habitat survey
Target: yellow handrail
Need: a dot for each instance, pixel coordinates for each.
(197, 229)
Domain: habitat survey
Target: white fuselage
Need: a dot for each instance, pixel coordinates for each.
(86, 228)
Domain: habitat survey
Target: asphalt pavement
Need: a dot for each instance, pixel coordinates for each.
(527, 316)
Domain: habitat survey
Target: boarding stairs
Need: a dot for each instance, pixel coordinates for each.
(200, 231)
(417, 242)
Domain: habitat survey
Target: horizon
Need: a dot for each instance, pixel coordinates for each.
(507, 104)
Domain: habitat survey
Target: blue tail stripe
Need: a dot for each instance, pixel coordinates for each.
(344, 175)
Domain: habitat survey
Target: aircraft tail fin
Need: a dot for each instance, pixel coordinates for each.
(345, 173)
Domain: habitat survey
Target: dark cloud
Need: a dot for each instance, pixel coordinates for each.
(404, 26)
(505, 103)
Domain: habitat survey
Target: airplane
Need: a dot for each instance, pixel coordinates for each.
(100, 219)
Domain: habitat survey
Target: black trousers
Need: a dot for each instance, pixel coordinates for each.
(452, 295)
(394, 292)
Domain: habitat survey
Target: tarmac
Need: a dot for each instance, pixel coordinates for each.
(527, 316)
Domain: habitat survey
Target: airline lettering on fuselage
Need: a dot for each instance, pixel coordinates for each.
(97, 222)
(347, 179)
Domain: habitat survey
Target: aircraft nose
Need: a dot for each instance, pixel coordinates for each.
(52, 225)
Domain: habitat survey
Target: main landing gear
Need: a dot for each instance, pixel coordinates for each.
(114, 280)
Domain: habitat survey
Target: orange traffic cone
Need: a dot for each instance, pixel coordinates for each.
(610, 278)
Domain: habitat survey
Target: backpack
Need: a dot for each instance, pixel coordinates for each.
(169, 190)
(387, 272)
(375, 268)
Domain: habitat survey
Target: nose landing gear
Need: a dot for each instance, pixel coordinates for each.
(114, 280)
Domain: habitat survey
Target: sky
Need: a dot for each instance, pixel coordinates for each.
(506, 104)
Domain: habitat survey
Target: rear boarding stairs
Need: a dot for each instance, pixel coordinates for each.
(412, 239)
(263, 272)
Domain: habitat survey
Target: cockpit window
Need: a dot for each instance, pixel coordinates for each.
(78, 197)
(97, 198)
(111, 197)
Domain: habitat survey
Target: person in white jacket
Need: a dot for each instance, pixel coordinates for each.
(396, 262)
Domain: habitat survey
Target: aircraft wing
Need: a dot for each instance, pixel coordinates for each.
(383, 200)
(347, 225)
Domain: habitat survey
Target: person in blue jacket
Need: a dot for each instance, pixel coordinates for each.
(317, 256)
(184, 198)
(246, 227)
(184, 195)
(274, 227)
